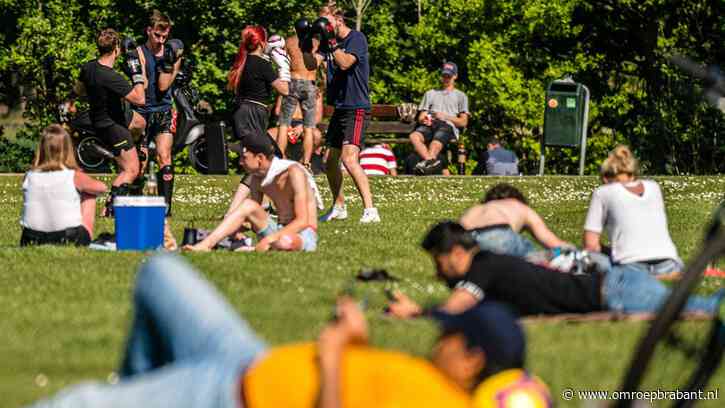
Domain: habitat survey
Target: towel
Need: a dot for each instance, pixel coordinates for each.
(279, 166)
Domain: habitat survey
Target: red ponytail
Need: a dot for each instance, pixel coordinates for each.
(252, 37)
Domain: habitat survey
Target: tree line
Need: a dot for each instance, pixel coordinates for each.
(507, 52)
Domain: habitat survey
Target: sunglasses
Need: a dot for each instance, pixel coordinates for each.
(160, 36)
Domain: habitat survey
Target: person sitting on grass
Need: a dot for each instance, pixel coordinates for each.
(59, 199)
(496, 223)
(474, 275)
(290, 187)
(632, 212)
(188, 348)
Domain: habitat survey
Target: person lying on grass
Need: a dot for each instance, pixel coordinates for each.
(290, 187)
(496, 223)
(59, 199)
(632, 212)
(188, 348)
(474, 275)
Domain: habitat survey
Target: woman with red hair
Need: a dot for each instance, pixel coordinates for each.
(251, 79)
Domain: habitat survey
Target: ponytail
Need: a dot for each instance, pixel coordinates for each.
(252, 38)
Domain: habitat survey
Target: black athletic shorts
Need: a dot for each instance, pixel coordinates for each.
(77, 236)
(439, 130)
(347, 127)
(157, 122)
(117, 137)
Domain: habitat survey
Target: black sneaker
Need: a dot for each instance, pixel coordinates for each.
(433, 166)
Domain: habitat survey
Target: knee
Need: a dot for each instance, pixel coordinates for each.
(285, 243)
(416, 137)
(349, 160)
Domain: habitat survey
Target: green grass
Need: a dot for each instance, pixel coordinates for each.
(64, 311)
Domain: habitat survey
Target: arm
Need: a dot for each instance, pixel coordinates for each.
(278, 105)
(534, 223)
(459, 301)
(460, 121)
(591, 241)
(282, 87)
(137, 95)
(87, 184)
(344, 60)
(350, 327)
(242, 193)
(298, 182)
(167, 78)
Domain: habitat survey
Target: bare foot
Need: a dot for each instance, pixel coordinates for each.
(195, 248)
(245, 248)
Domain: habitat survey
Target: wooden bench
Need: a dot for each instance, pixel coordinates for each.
(384, 120)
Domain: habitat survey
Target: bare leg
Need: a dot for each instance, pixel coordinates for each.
(88, 212)
(282, 139)
(137, 126)
(250, 211)
(352, 164)
(435, 147)
(418, 142)
(308, 145)
(334, 176)
(128, 162)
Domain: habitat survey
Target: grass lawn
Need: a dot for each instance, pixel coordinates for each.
(64, 311)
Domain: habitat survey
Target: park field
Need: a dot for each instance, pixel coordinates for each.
(64, 311)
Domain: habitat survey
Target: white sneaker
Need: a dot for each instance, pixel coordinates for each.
(370, 215)
(335, 213)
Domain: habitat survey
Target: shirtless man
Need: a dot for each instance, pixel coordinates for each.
(291, 189)
(304, 61)
(496, 223)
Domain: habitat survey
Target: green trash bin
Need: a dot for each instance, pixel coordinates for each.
(565, 118)
(565, 113)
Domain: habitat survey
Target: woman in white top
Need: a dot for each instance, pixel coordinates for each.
(633, 213)
(59, 200)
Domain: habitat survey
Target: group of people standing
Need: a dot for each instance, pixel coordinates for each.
(152, 69)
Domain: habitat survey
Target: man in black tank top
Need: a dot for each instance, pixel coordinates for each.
(106, 90)
(160, 60)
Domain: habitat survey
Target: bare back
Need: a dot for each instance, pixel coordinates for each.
(303, 65)
(507, 211)
(282, 194)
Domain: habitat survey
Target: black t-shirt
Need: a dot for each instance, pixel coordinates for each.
(530, 289)
(106, 89)
(256, 80)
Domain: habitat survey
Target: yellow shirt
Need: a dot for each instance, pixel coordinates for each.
(512, 388)
(289, 377)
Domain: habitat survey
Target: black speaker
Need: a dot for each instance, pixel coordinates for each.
(216, 148)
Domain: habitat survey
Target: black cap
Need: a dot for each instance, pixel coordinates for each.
(493, 328)
(255, 143)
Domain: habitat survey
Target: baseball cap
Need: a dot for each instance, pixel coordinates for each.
(493, 328)
(254, 143)
(449, 68)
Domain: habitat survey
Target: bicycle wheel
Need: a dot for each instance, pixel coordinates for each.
(668, 338)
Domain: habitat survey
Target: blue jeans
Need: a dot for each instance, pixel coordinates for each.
(501, 239)
(630, 288)
(187, 347)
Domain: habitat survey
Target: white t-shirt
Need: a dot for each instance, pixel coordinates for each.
(636, 225)
(51, 201)
(377, 161)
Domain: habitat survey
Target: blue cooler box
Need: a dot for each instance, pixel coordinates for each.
(139, 222)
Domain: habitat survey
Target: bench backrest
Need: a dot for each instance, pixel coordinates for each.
(379, 112)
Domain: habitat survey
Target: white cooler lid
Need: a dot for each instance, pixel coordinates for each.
(139, 201)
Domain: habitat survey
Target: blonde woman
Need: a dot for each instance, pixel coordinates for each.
(59, 200)
(632, 212)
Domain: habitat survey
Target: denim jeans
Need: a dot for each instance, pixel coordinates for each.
(187, 347)
(501, 239)
(630, 288)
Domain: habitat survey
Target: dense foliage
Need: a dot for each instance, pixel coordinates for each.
(507, 51)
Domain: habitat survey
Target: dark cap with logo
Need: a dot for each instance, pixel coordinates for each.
(492, 327)
(449, 68)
